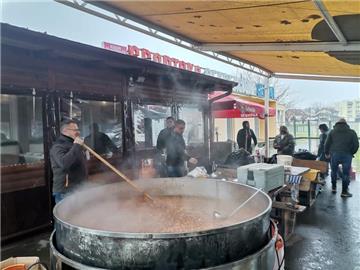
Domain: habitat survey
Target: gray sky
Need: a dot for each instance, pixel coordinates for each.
(62, 21)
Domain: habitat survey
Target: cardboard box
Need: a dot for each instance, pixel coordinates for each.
(322, 166)
(227, 173)
(28, 261)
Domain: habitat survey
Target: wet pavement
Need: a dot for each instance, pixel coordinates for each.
(327, 235)
(37, 245)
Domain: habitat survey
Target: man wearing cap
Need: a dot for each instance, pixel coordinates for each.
(284, 143)
(340, 146)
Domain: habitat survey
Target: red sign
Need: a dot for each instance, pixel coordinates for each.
(156, 57)
(115, 48)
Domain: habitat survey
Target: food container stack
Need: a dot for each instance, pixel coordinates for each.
(262, 175)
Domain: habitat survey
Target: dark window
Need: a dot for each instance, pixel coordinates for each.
(194, 130)
(107, 116)
(22, 148)
(149, 120)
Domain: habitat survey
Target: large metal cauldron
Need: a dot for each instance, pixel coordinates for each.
(189, 250)
(263, 259)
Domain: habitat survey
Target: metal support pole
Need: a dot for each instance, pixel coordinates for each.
(212, 119)
(266, 116)
(294, 127)
(309, 135)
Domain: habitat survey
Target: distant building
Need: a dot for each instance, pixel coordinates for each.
(326, 115)
(350, 110)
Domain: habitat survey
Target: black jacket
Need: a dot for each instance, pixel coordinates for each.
(67, 161)
(101, 143)
(163, 137)
(175, 150)
(321, 149)
(342, 139)
(285, 145)
(244, 137)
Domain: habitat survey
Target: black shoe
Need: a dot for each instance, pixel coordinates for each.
(333, 188)
(346, 194)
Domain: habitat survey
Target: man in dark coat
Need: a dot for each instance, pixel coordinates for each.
(321, 149)
(175, 152)
(284, 143)
(244, 137)
(68, 160)
(323, 136)
(340, 146)
(165, 133)
(160, 162)
(99, 141)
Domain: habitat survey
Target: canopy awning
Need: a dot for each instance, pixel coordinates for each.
(234, 107)
(317, 38)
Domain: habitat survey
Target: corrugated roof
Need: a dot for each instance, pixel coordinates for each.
(297, 37)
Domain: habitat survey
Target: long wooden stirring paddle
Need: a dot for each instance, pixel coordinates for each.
(123, 176)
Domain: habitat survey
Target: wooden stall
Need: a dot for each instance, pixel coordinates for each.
(46, 79)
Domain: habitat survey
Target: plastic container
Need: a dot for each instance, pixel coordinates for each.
(19, 266)
(22, 263)
(284, 160)
(262, 175)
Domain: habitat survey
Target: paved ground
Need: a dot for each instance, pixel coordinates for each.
(37, 245)
(327, 236)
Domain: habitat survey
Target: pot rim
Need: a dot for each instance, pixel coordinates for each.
(130, 235)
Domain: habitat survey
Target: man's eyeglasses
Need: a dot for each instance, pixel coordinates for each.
(73, 129)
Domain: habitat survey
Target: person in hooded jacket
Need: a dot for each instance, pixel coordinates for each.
(341, 145)
(244, 137)
(284, 143)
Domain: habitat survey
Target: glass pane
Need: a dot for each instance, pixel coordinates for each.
(100, 124)
(22, 149)
(194, 130)
(105, 115)
(149, 121)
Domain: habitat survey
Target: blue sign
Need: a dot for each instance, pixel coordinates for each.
(260, 91)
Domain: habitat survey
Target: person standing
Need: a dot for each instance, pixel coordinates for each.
(99, 141)
(160, 158)
(244, 137)
(284, 143)
(340, 146)
(321, 150)
(175, 152)
(165, 133)
(68, 160)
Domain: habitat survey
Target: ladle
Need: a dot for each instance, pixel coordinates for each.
(218, 215)
(131, 183)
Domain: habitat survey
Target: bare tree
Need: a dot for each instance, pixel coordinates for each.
(283, 93)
